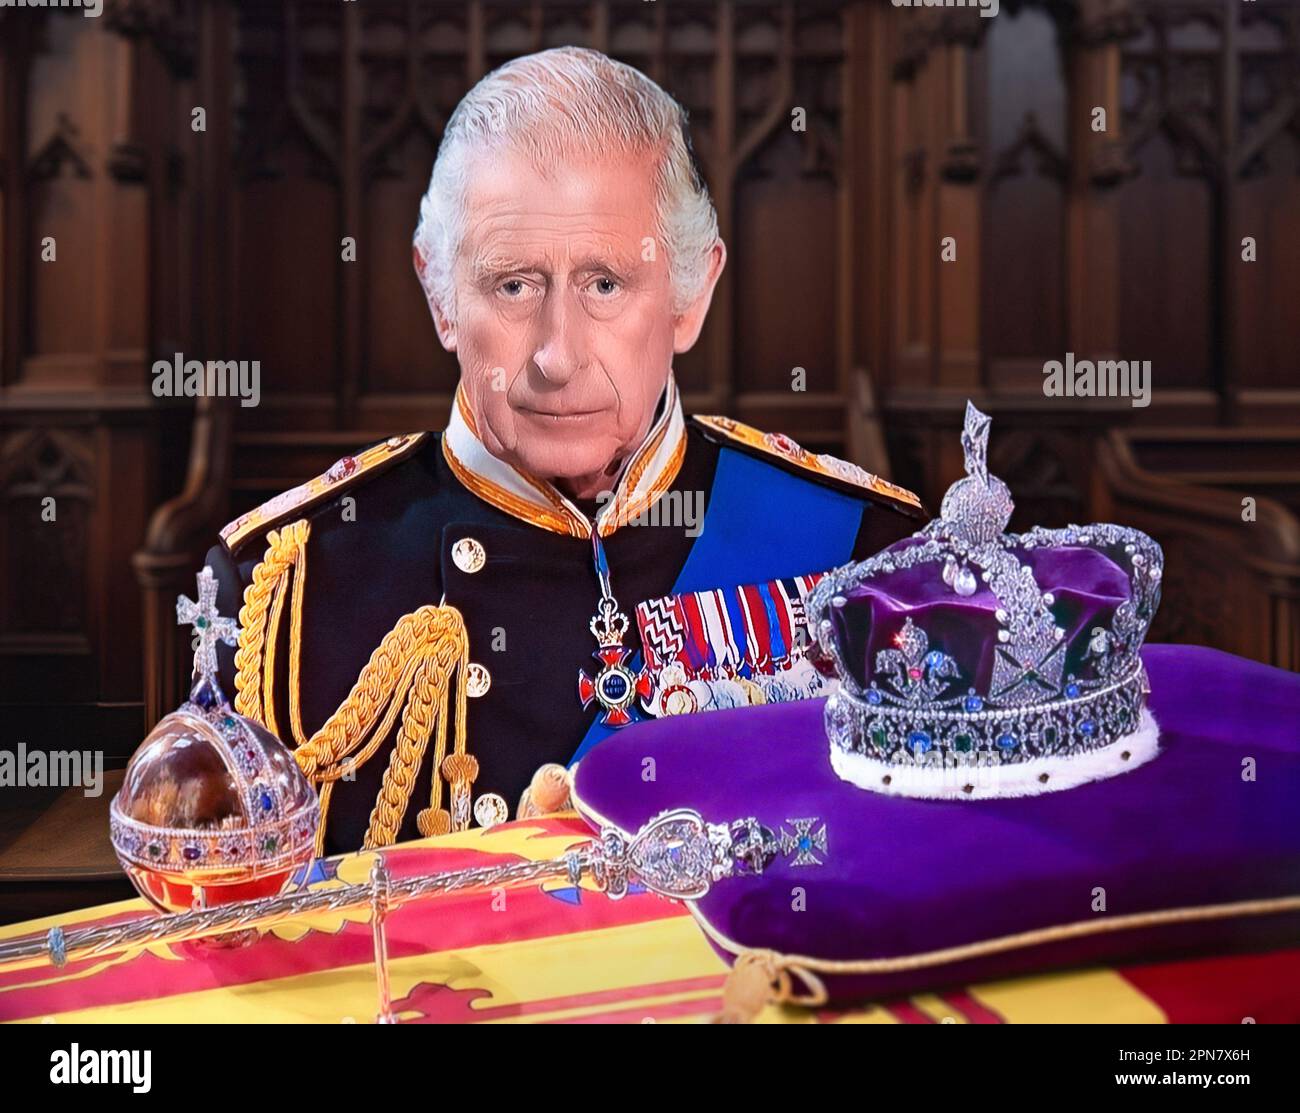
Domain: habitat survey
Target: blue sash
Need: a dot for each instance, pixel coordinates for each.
(762, 523)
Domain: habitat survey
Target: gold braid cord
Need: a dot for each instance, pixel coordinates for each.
(409, 673)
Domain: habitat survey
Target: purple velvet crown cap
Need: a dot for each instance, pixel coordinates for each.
(1087, 587)
(976, 663)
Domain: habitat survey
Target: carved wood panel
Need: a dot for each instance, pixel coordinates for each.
(337, 115)
(1120, 244)
(322, 122)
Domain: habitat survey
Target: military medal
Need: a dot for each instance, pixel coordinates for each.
(728, 647)
(615, 686)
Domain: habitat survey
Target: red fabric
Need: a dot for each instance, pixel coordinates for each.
(1265, 987)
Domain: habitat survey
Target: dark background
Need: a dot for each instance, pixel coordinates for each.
(322, 122)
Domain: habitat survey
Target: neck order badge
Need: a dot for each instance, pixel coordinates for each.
(646, 475)
(616, 688)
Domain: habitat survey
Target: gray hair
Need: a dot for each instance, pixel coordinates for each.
(564, 102)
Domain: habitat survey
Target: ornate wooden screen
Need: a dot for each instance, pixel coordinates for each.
(321, 118)
(337, 111)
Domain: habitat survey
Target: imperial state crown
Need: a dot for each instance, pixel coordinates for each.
(978, 663)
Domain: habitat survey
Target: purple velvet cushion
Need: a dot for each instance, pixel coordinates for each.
(905, 878)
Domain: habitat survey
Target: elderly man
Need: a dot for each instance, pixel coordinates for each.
(414, 620)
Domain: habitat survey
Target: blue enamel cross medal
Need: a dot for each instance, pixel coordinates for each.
(615, 687)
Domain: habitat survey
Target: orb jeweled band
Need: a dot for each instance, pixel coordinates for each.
(279, 837)
(978, 664)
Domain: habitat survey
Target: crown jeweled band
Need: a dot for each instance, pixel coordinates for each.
(962, 676)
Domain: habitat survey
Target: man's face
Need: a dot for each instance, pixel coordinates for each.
(564, 324)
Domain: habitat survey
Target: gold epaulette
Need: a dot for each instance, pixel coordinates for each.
(301, 499)
(787, 452)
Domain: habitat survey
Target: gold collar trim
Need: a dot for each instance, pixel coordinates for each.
(649, 472)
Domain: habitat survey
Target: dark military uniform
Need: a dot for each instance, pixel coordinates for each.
(526, 600)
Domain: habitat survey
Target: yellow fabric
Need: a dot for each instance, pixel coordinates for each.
(534, 954)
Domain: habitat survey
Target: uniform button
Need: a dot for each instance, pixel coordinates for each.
(468, 555)
(477, 681)
(490, 809)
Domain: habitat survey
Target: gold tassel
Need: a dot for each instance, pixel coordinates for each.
(461, 771)
(750, 985)
(759, 978)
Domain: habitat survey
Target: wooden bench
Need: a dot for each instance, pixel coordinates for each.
(1229, 583)
(55, 855)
